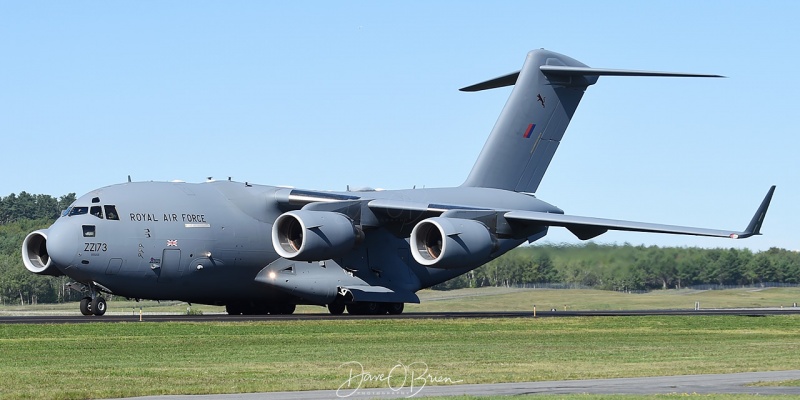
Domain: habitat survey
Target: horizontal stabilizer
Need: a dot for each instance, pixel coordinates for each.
(588, 227)
(500, 81)
(562, 70)
(587, 71)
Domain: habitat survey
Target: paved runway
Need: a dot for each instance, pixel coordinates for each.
(699, 384)
(62, 319)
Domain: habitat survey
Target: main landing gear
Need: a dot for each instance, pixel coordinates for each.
(96, 306)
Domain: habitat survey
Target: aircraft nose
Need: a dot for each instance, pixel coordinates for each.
(61, 244)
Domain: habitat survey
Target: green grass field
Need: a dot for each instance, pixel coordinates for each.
(128, 359)
(507, 299)
(94, 360)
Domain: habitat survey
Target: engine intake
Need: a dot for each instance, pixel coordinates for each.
(34, 254)
(305, 235)
(451, 242)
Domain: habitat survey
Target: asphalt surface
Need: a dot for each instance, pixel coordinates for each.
(70, 319)
(682, 384)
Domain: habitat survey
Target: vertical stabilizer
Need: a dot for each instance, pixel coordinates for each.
(530, 127)
(525, 137)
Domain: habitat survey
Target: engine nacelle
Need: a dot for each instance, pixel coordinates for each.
(451, 242)
(34, 254)
(305, 235)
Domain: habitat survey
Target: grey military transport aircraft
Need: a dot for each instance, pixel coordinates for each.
(264, 249)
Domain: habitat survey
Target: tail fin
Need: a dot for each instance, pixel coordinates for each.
(525, 137)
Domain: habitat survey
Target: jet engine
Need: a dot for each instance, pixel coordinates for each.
(305, 235)
(34, 254)
(451, 242)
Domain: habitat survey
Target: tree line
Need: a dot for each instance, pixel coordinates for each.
(633, 268)
(21, 214)
(610, 267)
(17, 284)
(26, 206)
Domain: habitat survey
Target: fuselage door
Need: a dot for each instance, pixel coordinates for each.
(171, 267)
(113, 266)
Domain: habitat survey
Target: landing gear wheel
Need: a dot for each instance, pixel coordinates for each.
(366, 308)
(260, 309)
(98, 306)
(355, 309)
(395, 308)
(233, 309)
(86, 306)
(283, 309)
(336, 308)
(374, 308)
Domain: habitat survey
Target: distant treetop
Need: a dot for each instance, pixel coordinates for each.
(32, 206)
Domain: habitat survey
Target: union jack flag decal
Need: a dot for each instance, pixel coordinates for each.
(172, 243)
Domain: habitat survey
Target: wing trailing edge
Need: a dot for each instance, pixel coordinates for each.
(589, 227)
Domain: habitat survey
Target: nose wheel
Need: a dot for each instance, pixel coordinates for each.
(86, 306)
(96, 306)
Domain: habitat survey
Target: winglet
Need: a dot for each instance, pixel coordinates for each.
(754, 228)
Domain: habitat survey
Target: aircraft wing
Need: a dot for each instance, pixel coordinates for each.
(589, 227)
(405, 212)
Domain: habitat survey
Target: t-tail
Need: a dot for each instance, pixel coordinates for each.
(546, 93)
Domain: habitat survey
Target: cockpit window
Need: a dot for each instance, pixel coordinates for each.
(66, 212)
(111, 212)
(78, 211)
(88, 231)
(96, 211)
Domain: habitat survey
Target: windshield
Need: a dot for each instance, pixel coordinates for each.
(78, 211)
(97, 211)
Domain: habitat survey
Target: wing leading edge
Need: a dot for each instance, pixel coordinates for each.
(589, 227)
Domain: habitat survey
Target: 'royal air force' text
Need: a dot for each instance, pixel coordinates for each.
(149, 217)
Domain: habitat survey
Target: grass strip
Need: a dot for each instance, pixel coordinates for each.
(132, 359)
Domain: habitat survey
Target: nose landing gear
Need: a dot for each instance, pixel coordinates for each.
(93, 304)
(96, 306)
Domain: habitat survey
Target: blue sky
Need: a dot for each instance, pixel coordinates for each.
(322, 95)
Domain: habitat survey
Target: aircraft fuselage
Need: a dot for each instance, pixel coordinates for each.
(206, 242)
